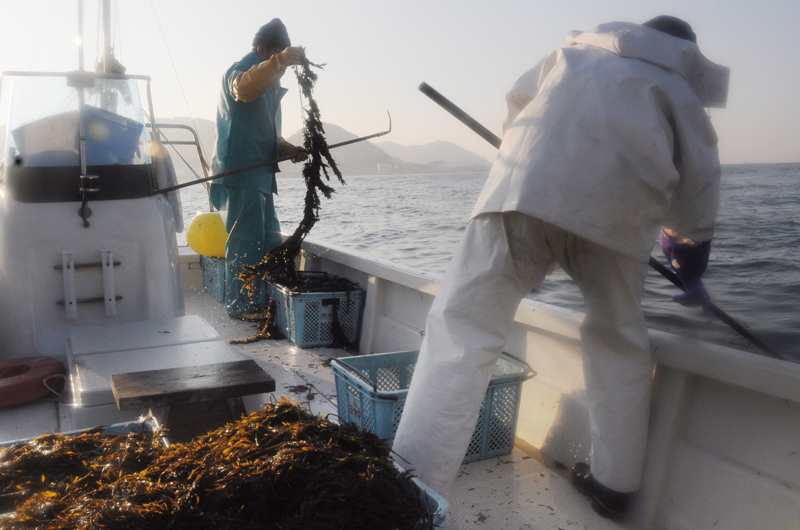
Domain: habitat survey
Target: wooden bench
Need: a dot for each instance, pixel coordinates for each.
(193, 384)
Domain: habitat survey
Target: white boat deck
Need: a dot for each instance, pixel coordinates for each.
(513, 492)
(724, 424)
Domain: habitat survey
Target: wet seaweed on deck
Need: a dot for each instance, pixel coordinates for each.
(280, 468)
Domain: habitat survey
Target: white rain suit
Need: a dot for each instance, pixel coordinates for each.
(604, 141)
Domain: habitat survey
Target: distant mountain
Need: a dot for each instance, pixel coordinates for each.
(452, 155)
(362, 158)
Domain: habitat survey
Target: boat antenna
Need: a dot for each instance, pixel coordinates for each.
(80, 35)
(493, 139)
(108, 53)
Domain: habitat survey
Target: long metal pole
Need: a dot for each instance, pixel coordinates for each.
(460, 115)
(717, 312)
(493, 139)
(106, 35)
(80, 35)
(264, 164)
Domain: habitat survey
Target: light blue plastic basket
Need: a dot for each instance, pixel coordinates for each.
(435, 503)
(371, 392)
(214, 276)
(307, 319)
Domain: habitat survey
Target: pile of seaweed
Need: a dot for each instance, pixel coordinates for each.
(280, 468)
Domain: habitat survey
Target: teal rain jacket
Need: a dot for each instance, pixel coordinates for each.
(247, 134)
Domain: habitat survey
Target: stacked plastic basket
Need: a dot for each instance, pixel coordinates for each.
(311, 319)
(371, 391)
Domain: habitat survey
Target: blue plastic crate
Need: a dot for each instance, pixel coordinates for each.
(371, 391)
(434, 502)
(214, 276)
(307, 319)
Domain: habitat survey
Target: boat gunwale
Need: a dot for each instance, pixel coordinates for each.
(749, 370)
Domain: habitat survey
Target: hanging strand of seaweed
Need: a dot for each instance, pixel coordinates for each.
(279, 263)
(278, 266)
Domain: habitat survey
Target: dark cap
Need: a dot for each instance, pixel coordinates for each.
(273, 34)
(672, 26)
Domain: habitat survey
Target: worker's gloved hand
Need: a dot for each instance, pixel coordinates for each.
(291, 55)
(689, 262)
(288, 149)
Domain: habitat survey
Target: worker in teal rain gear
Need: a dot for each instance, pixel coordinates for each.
(249, 133)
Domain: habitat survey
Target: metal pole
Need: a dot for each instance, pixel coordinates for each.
(107, 54)
(263, 164)
(81, 131)
(80, 35)
(666, 273)
(716, 311)
(460, 115)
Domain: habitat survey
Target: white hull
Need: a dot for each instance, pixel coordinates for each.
(724, 447)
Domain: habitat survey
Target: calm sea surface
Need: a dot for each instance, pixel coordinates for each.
(417, 220)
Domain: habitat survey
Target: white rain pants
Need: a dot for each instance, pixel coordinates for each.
(500, 259)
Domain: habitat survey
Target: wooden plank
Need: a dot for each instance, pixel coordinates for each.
(192, 384)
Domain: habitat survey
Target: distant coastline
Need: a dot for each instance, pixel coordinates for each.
(446, 171)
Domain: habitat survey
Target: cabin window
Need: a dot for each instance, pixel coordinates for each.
(42, 144)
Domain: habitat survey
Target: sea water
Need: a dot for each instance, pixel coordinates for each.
(417, 220)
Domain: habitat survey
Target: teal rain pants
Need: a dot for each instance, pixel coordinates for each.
(253, 230)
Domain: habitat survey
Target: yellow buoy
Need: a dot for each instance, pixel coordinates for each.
(206, 234)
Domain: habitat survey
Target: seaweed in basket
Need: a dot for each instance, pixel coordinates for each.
(280, 468)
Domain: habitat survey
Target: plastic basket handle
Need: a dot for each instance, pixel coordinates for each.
(366, 378)
(531, 372)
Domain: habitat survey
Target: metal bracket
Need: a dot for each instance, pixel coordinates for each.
(68, 273)
(109, 296)
(89, 184)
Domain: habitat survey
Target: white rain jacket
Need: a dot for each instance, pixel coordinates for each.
(608, 139)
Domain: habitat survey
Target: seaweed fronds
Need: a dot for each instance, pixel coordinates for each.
(279, 263)
(280, 468)
(267, 330)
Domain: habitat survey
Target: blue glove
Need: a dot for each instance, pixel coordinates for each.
(690, 263)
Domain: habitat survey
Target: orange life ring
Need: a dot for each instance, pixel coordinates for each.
(28, 378)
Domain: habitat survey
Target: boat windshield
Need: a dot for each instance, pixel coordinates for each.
(43, 122)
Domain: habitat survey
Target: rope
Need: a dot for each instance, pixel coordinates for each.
(44, 32)
(59, 395)
(174, 69)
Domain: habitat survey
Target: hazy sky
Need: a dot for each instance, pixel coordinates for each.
(377, 53)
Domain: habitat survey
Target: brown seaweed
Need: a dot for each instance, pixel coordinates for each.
(280, 468)
(279, 263)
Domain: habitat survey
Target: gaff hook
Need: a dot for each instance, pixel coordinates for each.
(271, 162)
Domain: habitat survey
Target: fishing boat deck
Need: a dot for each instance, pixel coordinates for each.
(516, 491)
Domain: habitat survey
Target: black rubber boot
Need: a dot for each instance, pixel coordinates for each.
(605, 501)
